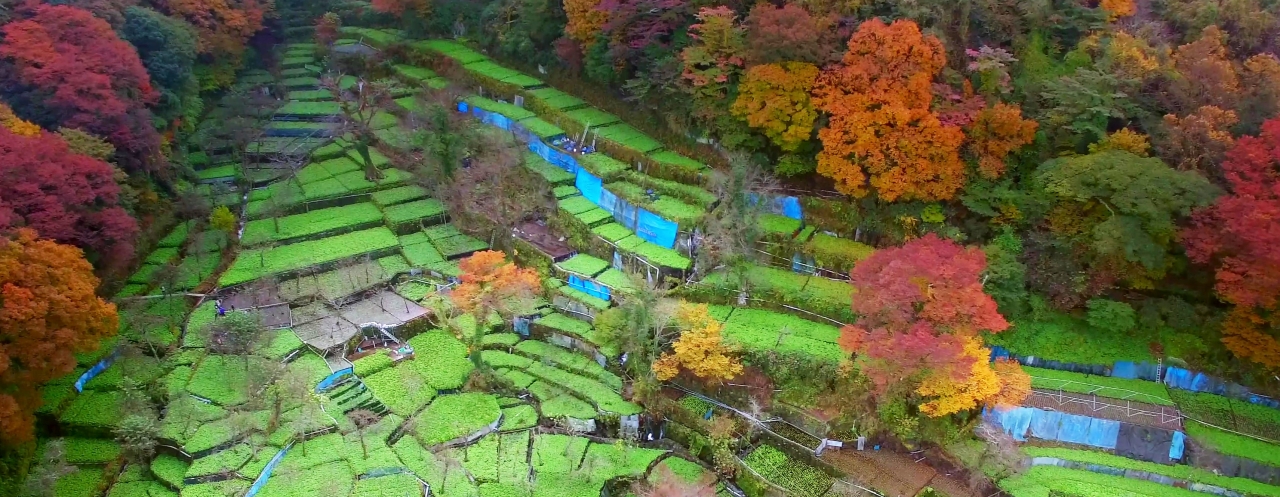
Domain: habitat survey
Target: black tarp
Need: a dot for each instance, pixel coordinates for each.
(1144, 443)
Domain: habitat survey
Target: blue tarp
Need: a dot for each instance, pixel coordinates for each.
(1013, 421)
(1052, 425)
(521, 325)
(609, 202)
(617, 260)
(656, 230)
(464, 107)
(1103, 433)
(94, 371)
(266, 472)
(1176, 447)
(1074, 429)
(492, 118)
(590, 186)
(789, 206)
(589, 287)
(1045, 424)
(555, 157)
(625, 213)
(328, 382)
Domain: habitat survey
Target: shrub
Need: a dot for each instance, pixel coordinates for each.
(224, 461)
(372, 363)
(401, 389)
(617, 460)
(780, 469)
(169, 469)
(454, 416)
(312, 223)
(1150, 392)
(1179, 471)
(84, 451)
(518, 418)
(253, 264)
(605, 398)
(836, 254)
(558, 454)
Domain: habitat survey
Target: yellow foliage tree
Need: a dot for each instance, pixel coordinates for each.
(949, 394)
(15, 124)
(584, 20)
(1126, 140)
(774, 98)
(700, 349)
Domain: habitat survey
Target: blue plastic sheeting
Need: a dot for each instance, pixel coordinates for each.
(589, 287)
(94, 371)
(1045, 424)
(589, 185)
(1176, 447)
(1013, 421)
(521, 325)
(494, 119)
(464, 107)
(1053, 425)
(617, 260)
(1073, 429)
(266, 471)
(1190, 380)
(656, 230)
(609, 202)
(626, 214)
(554, 156)
(1103, 433)
(328, 382)
(1136, 370)
(790, 207)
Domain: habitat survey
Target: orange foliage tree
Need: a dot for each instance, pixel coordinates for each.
(1116, 9)
(1206, 74)
(1198, 141)
(585, 20)
(491, 284)
(1249, 334)
(700, 349)
(774, 98)
(48, 312)
(882, 133)
(997, 131)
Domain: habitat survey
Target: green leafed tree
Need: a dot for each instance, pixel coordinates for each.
(167, 48)
(1124, 208)
(1112, 316)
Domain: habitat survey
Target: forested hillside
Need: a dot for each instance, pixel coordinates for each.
(493, 248)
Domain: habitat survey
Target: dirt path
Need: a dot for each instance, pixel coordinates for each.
(893, 473)
(1139, 413)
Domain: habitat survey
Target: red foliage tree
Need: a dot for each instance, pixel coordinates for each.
(327, 28)
(919, 307)
(65, 197)
(83, 76)
(789, 34)
(1239, 234)
(48, 311)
